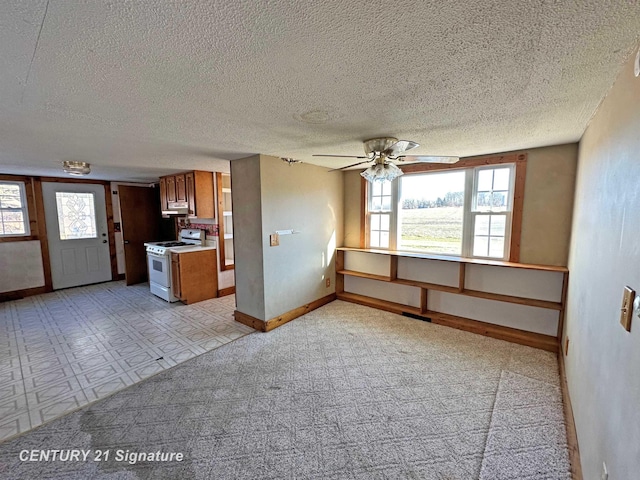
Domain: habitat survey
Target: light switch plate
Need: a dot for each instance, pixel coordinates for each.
(274, 239)
(626, 312)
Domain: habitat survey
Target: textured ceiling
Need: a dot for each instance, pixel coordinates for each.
(143, 88)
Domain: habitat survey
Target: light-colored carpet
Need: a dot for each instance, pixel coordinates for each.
(344, 392)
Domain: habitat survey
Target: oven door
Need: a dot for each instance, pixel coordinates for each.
(159, 269)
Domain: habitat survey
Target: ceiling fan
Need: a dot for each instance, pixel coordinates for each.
(383, 151)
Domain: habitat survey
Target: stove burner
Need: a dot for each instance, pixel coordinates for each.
(171, 244)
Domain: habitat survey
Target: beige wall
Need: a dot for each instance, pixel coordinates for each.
(309, 200)
(548, 203)
(247, 236)
(269, 195)
(603, 365)
(352, 208)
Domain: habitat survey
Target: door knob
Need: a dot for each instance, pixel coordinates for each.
(104, 241)
(126, 242)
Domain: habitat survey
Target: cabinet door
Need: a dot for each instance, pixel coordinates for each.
(191, 194)
(171, 189)
(163, 194)
(181, 189)
(175, 275)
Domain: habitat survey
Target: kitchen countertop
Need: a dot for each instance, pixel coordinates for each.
(195, 248)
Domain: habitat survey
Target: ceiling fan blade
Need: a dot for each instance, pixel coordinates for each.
(349, 166)
(427, 159)
(341, 156)
(400, 147)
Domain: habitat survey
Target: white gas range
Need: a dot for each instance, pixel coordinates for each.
(159, 261)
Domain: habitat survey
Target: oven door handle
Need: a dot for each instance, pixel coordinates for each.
(156, 255)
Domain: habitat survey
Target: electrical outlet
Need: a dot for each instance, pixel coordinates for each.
(274, 240)
(566, 346)
(328, 282)
(605, 472)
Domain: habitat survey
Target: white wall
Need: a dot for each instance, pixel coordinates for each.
(603, 364)
(20, 266)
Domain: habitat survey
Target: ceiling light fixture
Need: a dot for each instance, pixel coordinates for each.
(77, 169)
(290, 161)
(381, 171)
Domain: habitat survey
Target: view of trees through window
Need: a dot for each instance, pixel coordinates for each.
(432, 212)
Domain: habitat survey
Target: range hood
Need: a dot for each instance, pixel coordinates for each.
(176, 208)
(176, 211)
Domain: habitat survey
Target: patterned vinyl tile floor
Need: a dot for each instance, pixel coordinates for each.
(343, 392)
(62, 350)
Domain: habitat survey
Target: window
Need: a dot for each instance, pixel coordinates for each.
(14, 219)
(491, 211)
(380, 202)
(76, 215)
(464, 212)
(431, 212)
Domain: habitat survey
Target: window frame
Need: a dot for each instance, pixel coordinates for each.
(514, 227)
(24, 208)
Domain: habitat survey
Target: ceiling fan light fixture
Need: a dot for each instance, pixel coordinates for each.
(381, 172)
(77, 169)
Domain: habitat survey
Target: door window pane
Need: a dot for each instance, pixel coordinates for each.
(432, 212)
(76, 215)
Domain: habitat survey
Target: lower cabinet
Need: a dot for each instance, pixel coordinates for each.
(194, 275)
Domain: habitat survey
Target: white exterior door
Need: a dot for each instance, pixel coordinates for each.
(76, 218)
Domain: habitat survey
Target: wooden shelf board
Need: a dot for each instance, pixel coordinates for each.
(523, 337)
(531, 302)
(448, 258)
(377, 303)
(371, 276)
(428, 286)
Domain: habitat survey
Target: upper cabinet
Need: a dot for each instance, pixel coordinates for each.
(225, 221)
(192, 191)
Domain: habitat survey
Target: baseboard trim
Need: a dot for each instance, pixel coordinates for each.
(250, 321)
(522, 337)
(572, 436)
(286, 317)
(27, 292)
(227, 291)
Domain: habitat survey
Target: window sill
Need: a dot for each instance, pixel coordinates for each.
(26, 238)
(451, 258)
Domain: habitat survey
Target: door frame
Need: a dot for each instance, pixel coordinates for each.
(43, 229)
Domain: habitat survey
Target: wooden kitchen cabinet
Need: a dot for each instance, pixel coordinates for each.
(181, 188)
(163, 194)
(194, 275)
(193, 190)
(171, 188)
